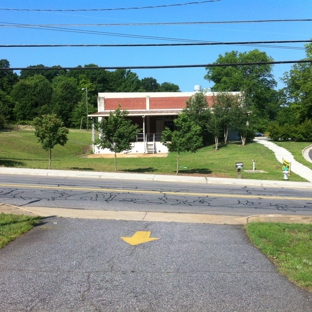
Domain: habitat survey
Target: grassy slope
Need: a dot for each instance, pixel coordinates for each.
(20, 149)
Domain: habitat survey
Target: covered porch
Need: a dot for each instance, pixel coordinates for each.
(152, 123)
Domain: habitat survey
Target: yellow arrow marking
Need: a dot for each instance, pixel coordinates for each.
(140, 237)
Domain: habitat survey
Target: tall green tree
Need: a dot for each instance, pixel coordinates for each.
(122, 80)
(32, 97)
(223, 103)
(242, 121)
(50, 131)
(7, 77)
(149, 84)
(6, 108)
(216, 124)
(65, 97)
(116, 133)
(298, 90)
(197, 110)
(187, 137)
(255, 81)
(169, 87)
(40, 69)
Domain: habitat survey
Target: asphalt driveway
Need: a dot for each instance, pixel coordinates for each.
(84, 265)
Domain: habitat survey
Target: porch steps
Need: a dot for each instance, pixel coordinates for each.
(150, 147)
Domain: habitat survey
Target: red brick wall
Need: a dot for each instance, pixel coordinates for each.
(167, 103)
(173, 102)
(125, 103)
(155, 103)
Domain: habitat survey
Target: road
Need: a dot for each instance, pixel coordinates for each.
(68, 264)
(152, 196)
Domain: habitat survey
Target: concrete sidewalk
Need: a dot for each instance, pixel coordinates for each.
(153, 178)
(281, 153)
(152, 216)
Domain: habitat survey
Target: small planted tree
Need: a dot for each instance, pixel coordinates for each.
(223, 103)
(116, 133)
(50, 131)
(215, 124)
(197, 110)
(186, 138)
(241, 120)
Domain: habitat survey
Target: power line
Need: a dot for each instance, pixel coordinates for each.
(163, 23)
(92, 32)
(161, 66)
(61, 29)
(154, 44)
(110, 9)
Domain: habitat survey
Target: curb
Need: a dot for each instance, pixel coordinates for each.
(145, 216)
(154, 178)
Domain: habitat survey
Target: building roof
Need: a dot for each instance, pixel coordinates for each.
(158, 112)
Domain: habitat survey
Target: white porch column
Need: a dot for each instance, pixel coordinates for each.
(93, 135)
(144, 139)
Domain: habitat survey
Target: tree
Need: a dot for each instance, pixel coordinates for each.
(32, 97)
(116, 133)
(298, 90)
(149, 84)
(122, 80)
(216, 123)
(242, 121)
(50, 131)
(7, 77)
(222, 105)
(169, 87)
(198, 111)
(65, 97)
(40, 69)
(6, 107)
(185, 138)
(256, 81)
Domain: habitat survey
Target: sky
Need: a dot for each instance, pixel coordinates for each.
(162, 11)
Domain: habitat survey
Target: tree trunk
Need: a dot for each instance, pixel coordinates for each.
(226, 134)
(178, 163)
(243, 138)
(216, 142)
(115, 161)
(50, 157)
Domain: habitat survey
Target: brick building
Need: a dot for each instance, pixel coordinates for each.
(152, 111)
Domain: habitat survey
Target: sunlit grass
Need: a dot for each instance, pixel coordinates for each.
(288, 246)
(21, 149)
(12, 226)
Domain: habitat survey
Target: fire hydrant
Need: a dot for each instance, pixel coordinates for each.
(285, 173)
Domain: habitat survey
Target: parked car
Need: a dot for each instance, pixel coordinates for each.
(259, 134)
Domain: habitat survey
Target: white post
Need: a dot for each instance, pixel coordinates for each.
(93, 135)
(253, 165)
(144, 141)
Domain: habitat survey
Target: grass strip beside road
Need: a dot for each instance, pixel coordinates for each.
(288, 246)
(13, 226)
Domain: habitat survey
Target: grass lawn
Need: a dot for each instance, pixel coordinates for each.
(288, 246)
(21, 149)
(12, 226)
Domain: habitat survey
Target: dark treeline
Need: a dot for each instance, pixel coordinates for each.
(68, 93)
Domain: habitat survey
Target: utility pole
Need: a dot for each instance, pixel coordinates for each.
(86, 89)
